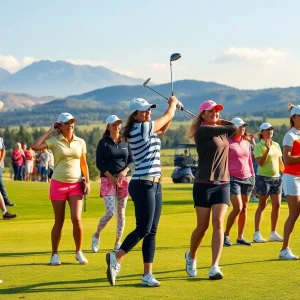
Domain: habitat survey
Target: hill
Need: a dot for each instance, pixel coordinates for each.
(3, 74)
(61, 79)
(96, 105)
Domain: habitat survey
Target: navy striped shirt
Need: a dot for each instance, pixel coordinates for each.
(145, 147)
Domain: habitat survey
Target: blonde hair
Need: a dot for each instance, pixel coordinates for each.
(290, 107)
(194, 127)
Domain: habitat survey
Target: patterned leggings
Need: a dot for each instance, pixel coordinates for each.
(110, 211)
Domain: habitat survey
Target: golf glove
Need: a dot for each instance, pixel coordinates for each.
(179, 105)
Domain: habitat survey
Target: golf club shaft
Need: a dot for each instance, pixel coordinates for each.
(171, 78)
(157, 92)
(183, 109)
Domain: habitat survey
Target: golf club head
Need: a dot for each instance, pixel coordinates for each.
(146, 82)
(175, 56)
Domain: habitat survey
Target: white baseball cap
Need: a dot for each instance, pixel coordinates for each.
(238, 122)
(295, 110)
(112, 119)
(65, 117)
(265, 126)
(139, 104)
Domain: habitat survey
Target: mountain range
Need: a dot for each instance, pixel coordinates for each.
(61, 79)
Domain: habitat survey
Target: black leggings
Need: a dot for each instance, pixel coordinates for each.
(147, 198)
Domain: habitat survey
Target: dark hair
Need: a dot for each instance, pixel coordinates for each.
(194, 127)
(292, 123)
(125, 133)
(106, 133)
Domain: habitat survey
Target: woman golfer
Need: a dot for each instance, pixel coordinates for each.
(291, 179)
(114, 160)
(144, 187)
(66, 185)
(211, 189)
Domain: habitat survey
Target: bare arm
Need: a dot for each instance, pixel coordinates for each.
(287, 156)
(262, 159)
(281, 164)
(85, 172)
(39, 143)
(167, 117)
(2, 154)
(164, 128)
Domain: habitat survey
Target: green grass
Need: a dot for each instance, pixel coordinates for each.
(249, 272)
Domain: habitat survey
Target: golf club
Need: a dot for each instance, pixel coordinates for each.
(182, 108)
(173, 57)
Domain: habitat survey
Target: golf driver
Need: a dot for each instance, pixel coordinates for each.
(173, 57)
(182, 108)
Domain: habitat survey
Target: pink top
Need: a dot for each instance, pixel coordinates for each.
(16, 159)
(240, 158)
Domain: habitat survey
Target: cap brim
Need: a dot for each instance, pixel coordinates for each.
(272, 127)
(147, 107)
(219, 107)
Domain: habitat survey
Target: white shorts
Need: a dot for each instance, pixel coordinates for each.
(29, 166)
(291, 185)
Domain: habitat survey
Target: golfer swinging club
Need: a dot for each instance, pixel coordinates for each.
(145, 185)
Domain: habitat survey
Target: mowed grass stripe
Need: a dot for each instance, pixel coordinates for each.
(249, 272)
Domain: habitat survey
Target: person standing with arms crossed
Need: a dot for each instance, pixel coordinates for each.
(145, 185)
(114, 160)
(211, 190)
(66, 185)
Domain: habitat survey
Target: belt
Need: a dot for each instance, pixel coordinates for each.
(150, 178)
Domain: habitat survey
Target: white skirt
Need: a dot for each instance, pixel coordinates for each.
(291, 185)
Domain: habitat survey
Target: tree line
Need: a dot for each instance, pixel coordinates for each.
(169, 140)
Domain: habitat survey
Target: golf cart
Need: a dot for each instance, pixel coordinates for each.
(185, 162)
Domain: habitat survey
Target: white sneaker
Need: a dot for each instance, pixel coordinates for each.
(257, 238)
(254, 199)
(287, 254)
(149, 280)
(55, 260)
(95, 243)
(81, 258)
(191, 265)
(275, 237)
(117, 247)
(215, 273)
(113, 268)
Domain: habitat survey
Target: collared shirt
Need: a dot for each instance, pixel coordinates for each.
(271, 165)
(113, 157)
(66, 157)
(240, 158)
(212, 148)
(145, 146)
(292, 139)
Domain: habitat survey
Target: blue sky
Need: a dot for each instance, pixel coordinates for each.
(245, 44)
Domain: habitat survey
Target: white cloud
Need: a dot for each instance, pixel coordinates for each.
(268, 55)
(84, 62)
(157, 66)
(13, 65)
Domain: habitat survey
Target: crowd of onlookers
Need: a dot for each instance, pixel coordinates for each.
(28, 165)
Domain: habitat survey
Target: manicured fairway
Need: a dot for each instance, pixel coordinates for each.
(249, 272)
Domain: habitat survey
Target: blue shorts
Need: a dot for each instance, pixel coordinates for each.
(268, 185)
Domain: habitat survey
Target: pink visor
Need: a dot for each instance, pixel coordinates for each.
(209, 104)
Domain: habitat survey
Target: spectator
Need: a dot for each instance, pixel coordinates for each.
(29, 155)
(17, 161)
(44, 163)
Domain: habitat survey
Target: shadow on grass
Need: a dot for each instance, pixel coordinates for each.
(19, 254)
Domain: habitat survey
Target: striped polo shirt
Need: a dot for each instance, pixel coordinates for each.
(145, 147)
(292, 139)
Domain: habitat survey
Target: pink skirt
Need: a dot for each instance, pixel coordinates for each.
(108, 189)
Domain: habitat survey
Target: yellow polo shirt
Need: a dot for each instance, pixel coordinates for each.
(66, 157)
